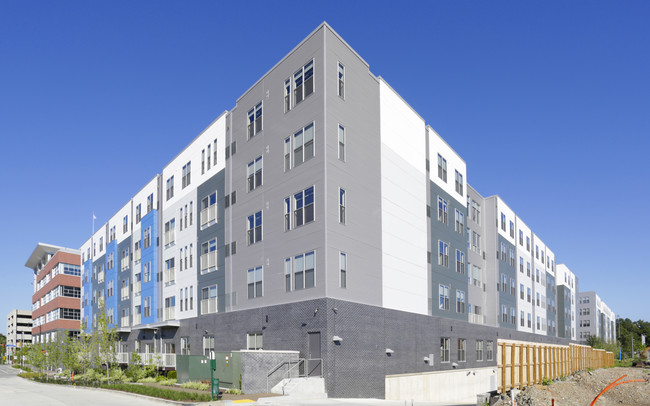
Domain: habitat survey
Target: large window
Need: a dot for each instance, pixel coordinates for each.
(170, 232)
(300, 146)
(255, 120)
(443, 291)
(476, 212)
(254, 228)
(460, 301)
(255, 282)
(460, 222)
(302, 83)
(442, 168)
(479, 350)
(208, 346)
(209, 256)
(460, 262)
(462, 348)
(442, 210)
(254, 173)
(147, 306)
(209, 300)
(254, 341)
(443, 253)
(445, 344)
(459, 183)
(187, 175)
(147, 238)
(170, 187)
(303, 271)
(303, 208)
(208, 210)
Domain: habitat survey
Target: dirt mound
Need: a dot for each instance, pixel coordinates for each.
(581, 388)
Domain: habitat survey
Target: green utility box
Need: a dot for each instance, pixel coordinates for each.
(226, 367)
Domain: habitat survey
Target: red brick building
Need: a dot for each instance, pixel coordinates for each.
(56, 303)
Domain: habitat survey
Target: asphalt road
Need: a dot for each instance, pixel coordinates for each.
(15, 391)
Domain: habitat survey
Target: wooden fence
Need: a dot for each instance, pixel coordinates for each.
(523, 364)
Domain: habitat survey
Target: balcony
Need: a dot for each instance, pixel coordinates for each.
(137, 287)
(124, 292)
(124, 263)
(124, 322)
(123, 357)
(170, 313)
(170, 276)
(208, 261)
(208, 215)
(159, 359)
(136, 256)
(209, 305)
(136, 319)
(100, 277)
(170, 237)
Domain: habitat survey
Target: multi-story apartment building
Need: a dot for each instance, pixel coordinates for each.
(19, 331)
(321, 214)
(595, 318)
(56, 303)
(567, 288)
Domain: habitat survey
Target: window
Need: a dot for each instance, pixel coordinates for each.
(147, 238)
(489, 350)
(512, 229)
(209, 256)
(170, 232)
(210, 154)
(504, 313)
(287, 274)
(341, 80)
(528, 244)
(444, 349)
(443, 253)
(302, 83)
(527, 268)
(512, 257)
(254, 121)
(185, 346)
(255, 174)
(521, 291)
(476, 212)
(147, 306)
(521, 318)
(341, 205)
(138, 213)
(529, 324)
(460, 222)
(209, 300)
(303, 207)
(341, 143)
(101, 244)
(255, 282)
(254, 229)
(111, 234)
(343, 266)
(521, 237)
(513, 287)
(460, 262)
(146, 271)
(503, 251)
(444, 297)
(303, 272)
(208, 346)
(303, 145)
(170, 188)
(479, 350)
(254, 341)
(462, 346)
(459, 183)
(110, 260)
(208, 210)
(503, 222)
(125, 224)
(513, 316)
(536, 298)
(442, 210)
(287, 154)
(476, 242)
(187, 175)
(460, 301)
(442, 168)
(170, 271)
(150, 201)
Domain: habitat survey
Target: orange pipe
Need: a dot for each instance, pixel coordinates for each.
(606, 389)
(611, 386)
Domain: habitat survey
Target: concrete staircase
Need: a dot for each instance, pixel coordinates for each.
(312, 387)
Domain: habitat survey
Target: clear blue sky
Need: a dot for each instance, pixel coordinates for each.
(548, 103)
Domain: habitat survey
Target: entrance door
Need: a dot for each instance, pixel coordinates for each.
(314, 361)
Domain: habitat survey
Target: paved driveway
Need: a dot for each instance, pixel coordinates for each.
(15, 391)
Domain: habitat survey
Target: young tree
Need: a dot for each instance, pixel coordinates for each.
(105, 339)
(70, 357)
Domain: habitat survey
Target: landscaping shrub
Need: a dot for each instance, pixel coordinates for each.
(171, 375)
(196, 385)
(168, 382)
(160, 393)
(147, 380)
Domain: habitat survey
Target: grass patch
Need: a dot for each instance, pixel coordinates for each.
(196, 385)
(169, 394)
(168, 382)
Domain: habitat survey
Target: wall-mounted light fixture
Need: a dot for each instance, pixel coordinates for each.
(389, 351)
(337, 339)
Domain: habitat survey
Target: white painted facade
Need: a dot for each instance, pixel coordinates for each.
(538, 251)
(438, 147)
(595, 318)
(403, 205)
(525, 277)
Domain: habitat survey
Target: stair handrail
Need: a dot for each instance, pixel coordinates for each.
(277, 367)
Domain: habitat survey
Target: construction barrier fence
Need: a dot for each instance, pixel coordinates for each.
(523, 363)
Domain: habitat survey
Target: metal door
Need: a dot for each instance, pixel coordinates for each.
(314, 361)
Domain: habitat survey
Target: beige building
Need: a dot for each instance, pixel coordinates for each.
(19, 330)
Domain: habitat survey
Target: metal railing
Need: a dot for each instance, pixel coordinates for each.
(302, 367)
(209, 305)
(170, 313)
(124, 321)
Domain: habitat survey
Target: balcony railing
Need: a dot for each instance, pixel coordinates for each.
(100, 277)
(170, 276)
(208, 261)
(136, 319)
(208, 214)
(136, 256)
(123, 357)
(170, 237)
(125, 262)
(124, 321)
(475, 318)
(209, 305)
(136, 288)
(124, 292)
(170, 313)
